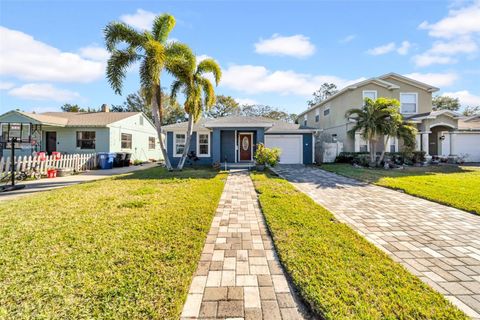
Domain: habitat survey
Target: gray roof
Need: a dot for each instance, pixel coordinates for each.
(271, 125)
(79, 119)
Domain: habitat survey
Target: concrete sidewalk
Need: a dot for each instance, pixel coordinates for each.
(36, 186)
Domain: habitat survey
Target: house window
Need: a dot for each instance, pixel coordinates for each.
(141, 120)
(305, 118)
(86, 139)
(151, 143)
(317, 115)
(126, 141)
(203, 145)
(179, 144)
(326, 112)
(363, 148)
(371, 94)
(408, 102)
(393, 144)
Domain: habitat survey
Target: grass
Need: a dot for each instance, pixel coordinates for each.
(457, 187)
(339, 273)
(122, 248)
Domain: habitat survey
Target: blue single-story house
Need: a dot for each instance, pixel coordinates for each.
(80, 132)
(233, 139)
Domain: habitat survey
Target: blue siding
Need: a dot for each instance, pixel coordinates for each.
(227, 150)
(193, 147)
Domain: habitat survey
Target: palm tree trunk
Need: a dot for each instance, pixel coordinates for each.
(188, 138)
(157, 118)
(382, 155)
(372, 150)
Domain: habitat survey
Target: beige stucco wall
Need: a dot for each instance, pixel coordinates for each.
(336, 123)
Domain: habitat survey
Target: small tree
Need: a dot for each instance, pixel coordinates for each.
(471, 111)
(67, 107)
(224, 106)
(267, 156)
(445, 103)
(325, 91)
(380, 119)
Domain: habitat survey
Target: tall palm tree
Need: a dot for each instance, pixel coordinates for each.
(198, 91)
(372, 121)
(128, 46)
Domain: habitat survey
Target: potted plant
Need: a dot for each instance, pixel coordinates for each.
(266, 156)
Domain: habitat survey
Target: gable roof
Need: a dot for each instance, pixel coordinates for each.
(270, 125)
(77, 119)
(381, 81)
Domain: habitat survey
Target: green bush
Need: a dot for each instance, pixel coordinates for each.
(267, 156)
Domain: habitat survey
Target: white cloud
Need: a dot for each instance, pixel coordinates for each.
(435, 79)
(258, 79)
(459, 22)
(43, 91)
(404, 48)
(94, 53)
(459, 45)
(244, 101)
(384, 49)
(23, 57)
(6, 85)
(141, 19)
(202, 57)
(348, 38)
(427, 59)
(466, 98)
(298, 46)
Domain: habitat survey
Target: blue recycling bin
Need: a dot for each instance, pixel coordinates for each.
(105, 160)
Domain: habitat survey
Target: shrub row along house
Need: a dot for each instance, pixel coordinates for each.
(440, 133)
(80, 132)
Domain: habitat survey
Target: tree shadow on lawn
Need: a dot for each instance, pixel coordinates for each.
(161, 173)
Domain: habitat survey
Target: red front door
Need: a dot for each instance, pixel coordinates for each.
(245, 141)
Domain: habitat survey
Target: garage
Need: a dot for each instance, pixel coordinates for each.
(290, 145)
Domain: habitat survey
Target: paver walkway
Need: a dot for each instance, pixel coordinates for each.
(439, 244)
(239, 275)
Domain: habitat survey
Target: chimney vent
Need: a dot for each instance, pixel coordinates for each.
(105, 108)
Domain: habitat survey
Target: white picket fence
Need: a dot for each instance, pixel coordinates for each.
(76, 162)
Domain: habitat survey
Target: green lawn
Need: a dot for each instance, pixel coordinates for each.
(339, 273)
(458, 187)
(122, 248)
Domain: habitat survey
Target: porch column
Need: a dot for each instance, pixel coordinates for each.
(425, 142)
(418, 142)
(357, 142)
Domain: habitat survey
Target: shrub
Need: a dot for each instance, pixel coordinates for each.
(352, 157)
(267, 156)
(418, 157)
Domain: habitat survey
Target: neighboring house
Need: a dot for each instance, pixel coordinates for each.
(434, 127)
(81, 132)
(234, 139)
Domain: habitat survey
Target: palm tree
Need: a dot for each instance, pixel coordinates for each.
(372, 121)
(198, 91)
(128, 46)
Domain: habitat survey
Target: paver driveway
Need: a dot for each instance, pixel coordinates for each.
(439, 244)
(239, 275)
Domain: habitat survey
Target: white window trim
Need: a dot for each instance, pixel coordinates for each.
(175, 154)
(305, 119)
(416, 102)
(317, 114)
(365, 91)
(198, 145)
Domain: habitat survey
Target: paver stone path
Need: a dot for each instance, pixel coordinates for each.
(439, 244)
(239, 275)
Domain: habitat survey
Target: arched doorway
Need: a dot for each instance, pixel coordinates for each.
(436, 137)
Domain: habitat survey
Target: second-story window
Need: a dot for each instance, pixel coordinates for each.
(408, 102)
(371, 94)
(305, 118)
(317, 115)
(326, 111)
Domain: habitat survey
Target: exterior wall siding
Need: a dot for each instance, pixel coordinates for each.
(193, 147)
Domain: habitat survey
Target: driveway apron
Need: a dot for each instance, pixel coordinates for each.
(439, 244)
(239, 275)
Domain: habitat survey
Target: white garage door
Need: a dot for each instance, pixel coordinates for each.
(465, 143)
(290, 145)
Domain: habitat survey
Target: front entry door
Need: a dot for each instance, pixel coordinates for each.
(51, 141)
(245, 147)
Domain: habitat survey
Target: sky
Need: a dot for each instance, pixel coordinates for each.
(271, 52)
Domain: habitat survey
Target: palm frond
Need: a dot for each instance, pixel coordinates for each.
(208, 92)
(154, 60)
(181, 59)
(118, 32)
(175, 87)
(117, 66)
(210, 65)
(162, 26)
